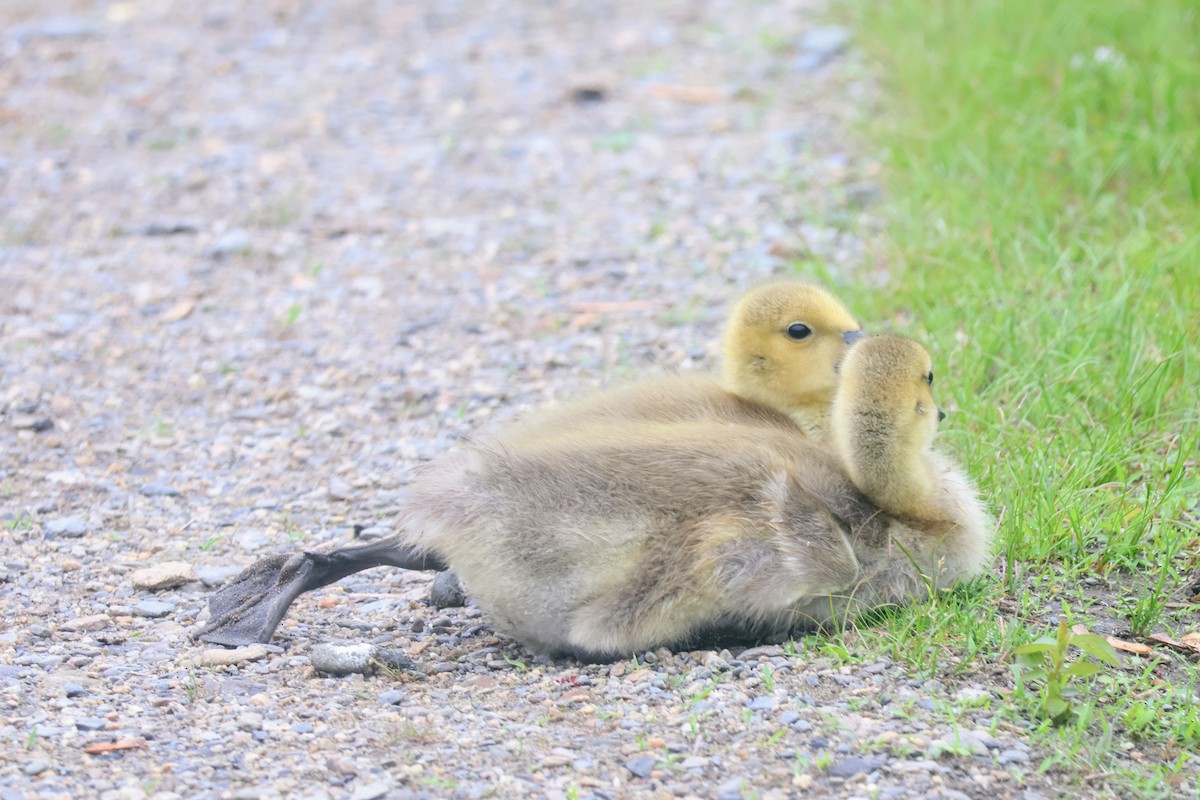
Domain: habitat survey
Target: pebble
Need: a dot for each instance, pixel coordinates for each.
(36, 767)
(224, 658)
(371, 791)
(392, 697)
(446, 591)
(1012, 756)
(90, 724)
(73, 689)
(347, 659)
(91, 623)
(158, 490)
(249, 721)
(217, 576)
(153, 609)
(856, 765)
(171, 227)
(641, 766)
(230, 243)
(31, 422)
(715, 663)
(374, 532)
(339, 489)
(972, 696)
(67, 527)
(818, 46)
(163, 576)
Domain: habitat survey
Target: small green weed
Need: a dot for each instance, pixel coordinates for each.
(1046, 660)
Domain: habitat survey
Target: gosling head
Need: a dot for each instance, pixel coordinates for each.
(887, 389)
(783, 344)
(884, 421)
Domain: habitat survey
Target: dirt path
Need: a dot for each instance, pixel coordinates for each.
(258, 259)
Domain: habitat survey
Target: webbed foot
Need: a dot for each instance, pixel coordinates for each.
(250, 608)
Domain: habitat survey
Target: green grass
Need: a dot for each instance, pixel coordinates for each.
(1042, 167)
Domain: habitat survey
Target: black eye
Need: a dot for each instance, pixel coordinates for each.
(929, 378)
(798, 331)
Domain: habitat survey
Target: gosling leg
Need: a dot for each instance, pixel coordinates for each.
(250, 607)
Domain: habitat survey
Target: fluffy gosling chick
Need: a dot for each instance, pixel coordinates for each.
(782, 346)
(883, 426)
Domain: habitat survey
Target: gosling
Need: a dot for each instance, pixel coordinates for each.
(781, 348)
(611, 537)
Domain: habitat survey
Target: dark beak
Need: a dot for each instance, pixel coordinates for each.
(853, 336)
(941, 415)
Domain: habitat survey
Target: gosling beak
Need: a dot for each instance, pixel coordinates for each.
(941, 415)
(851, 337)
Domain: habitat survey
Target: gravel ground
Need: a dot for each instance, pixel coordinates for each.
(259, 259)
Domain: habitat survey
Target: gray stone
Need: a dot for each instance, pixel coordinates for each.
(339, 489)
(217, 576)
(446, 591)
(36, 767)
(641, 766)
(31, 422)
(225, 658)
(856, 765)
(715, 663)
(343, 659)
(158, 490)
(763, 651)
(763, 703)
(43, 660)
(67, 527)
(230, 243)
(1013, 757)
(90, 623)
(371, 791)
(163, 576)
(153, 609)
(249, 721)
(91, 724)
(819, 46)
(972, 696)
(171, 227)
(66, 27)
(393, 658)
(374, 532)
(74, 689)
(392, 697)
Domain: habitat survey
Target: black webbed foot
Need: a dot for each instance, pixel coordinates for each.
(250, 608)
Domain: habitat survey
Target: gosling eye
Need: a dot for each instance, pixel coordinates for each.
(798, 331)
(929, 378)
